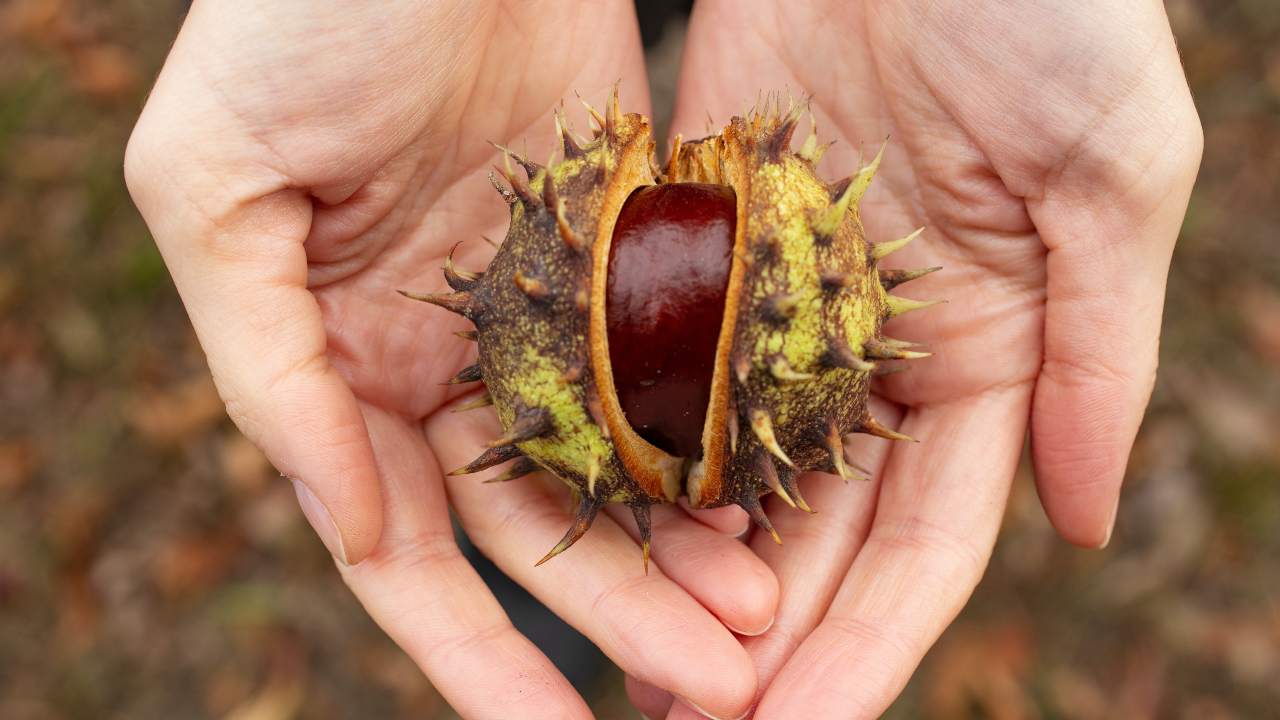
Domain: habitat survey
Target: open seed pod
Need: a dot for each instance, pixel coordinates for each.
(741, 297)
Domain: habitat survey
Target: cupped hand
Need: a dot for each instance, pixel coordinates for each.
(298, 162)
(1049, 150)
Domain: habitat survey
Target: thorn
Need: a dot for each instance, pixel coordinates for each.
(751, 504)
(550, 198)
(780, 307)
(460, 280)
(462, 303)
(570, 238)
(780, 140)
(835, 447)
(613, 110)
(883, 351)
(883, 370)
(827, 222)
(848, 192)
(471, 335)
(790, 481)
(593, 113)
(790, 486)
(880, 250)
(488, 239)
(862, 180)
(518, 469)
(890, 279)
(531, 168)
(530, 423)
(866, 474)
(506, 160)
(840, 355)
(587, 509)
(504, 191)
(833, 279)
(641, 512)
(531, 286)
(742, 366)
(470, 373)
(900, 344)
(871, 426)
(809, 150)
(782, 370)
(572, 150)
(762, 425)
(519, 190)
(482, 400)
(593, 474)
(899, 305)
(495, 455)
(769, 475)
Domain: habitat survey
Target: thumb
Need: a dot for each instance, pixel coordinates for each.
(1109, 222)
(233, 241)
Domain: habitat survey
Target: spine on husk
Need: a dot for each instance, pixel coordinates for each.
(799, 342)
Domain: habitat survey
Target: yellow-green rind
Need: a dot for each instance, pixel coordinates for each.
(805, 300)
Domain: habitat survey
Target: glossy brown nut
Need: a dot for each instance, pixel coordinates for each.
(668, 272)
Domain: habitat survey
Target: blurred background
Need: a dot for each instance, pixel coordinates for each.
(153, 566)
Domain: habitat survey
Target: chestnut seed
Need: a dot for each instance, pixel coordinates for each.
(668, 272)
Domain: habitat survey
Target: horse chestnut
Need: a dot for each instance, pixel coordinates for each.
(709, 329)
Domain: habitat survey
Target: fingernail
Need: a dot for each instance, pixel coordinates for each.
(761, 631)
(321, 521)
(693, 706)
(1111, 525)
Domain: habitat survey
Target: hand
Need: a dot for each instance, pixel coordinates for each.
(298, 162)
(1049, 149)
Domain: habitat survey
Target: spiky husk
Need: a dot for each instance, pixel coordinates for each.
(799, 343)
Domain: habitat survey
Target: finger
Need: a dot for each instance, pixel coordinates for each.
(817, 550)
(815, 554)
(730, 519)
(646, 624)
(234, 248)
(936, 520)
(715, 569)
(652, 702)
(1109, 218)
(421, 590)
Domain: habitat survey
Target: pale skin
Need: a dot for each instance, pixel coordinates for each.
(299, 163)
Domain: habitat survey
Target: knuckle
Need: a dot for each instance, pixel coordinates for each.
(855, 632)
(139, 166)
(431, 548)
(964, 562)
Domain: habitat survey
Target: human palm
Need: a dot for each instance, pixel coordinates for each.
(341, 155)
(1051, 195)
